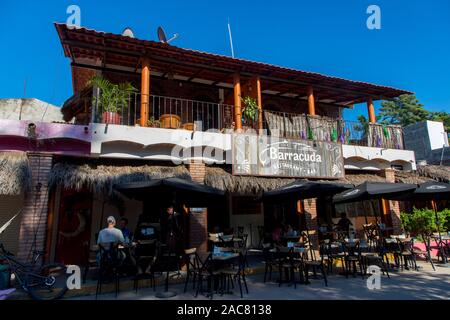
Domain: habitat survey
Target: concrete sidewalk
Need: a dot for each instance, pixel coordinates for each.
(406, 284)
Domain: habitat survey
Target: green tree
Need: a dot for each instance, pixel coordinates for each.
(442, 116)
(403, 110)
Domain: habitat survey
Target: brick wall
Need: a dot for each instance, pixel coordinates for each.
(197, 171)
(310, 211)
(198, 230)
(34, 215)
(393, 206)
(198, 221)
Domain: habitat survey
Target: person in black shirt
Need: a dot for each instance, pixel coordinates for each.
(344, 223)
(172, 229)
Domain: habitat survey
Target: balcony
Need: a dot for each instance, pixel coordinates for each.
(301, 126)
(166, 113)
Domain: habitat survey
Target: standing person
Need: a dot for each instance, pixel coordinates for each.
(172, 232)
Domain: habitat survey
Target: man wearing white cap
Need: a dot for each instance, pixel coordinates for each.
(110, 233)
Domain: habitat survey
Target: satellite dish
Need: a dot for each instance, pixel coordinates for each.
(162, 36)
(127, 32)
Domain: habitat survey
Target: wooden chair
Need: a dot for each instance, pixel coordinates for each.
(311, 261)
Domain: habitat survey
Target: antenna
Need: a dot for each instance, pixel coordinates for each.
(162, 36)
(128, 32)
(231, 38)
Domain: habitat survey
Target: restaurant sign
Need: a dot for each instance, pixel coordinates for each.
(263, 155)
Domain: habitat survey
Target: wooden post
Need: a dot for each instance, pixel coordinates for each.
(259, 102)
(311, 102)
(371, 111)
(237, 102)
(145, 91)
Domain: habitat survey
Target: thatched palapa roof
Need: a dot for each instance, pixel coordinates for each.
(15, 174)
(253, 186)
(101, 178)
(438, 173)
(245, 185)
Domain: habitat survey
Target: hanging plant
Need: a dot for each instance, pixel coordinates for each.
(250, 110)
(334, 135)
(386, 132)
(310, 134)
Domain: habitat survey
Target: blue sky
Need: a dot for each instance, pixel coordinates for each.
(411, 51)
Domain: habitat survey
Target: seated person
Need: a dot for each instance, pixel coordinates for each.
(344, 223)
(276, 234)
(109, 235)
(123, 226)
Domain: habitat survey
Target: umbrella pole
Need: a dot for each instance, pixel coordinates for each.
(438, 223)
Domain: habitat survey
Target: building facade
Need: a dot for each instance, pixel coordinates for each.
(190, 116)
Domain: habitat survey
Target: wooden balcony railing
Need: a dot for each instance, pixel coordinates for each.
(301, 126)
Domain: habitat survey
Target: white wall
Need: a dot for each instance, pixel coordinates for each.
(437, 135)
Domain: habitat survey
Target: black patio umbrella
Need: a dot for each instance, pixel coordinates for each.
(304, 189)
(374, 190)
(190, 193)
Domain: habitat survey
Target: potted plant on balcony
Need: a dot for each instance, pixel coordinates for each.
(153, 123)
(249, 111)
(112, 99)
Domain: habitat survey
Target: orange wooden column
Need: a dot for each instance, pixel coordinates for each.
(259, 102)
(237, 101)
(371, 111)
(145, 91)
(311, 102)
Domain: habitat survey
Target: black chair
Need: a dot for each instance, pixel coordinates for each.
(427, 253)
(352, 257)
(332, 251)
(311, 261)
(269, 261)
(145, 255)
(407, 253)
(89, 260)
(109, 266)
(236, 273)
(373, 254)
(208, 274)
(193, 266)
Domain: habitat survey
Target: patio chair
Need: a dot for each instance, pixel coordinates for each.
(208, 274)
(391, 246)
(269, 261)
(312, 259)
(407, 254)
(352, 258)
(373, 255)
(109, 266)
(193, 265)
(145, 255)
(427, 253)
(89, 260)
(286, 265)
(236, 273)
(332, 251)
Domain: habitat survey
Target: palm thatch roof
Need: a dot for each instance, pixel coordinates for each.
(245, 185)
(410, 177)
(438, 173)
(357, 179)
(102, 178)
(253, 186)
(15, 173)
